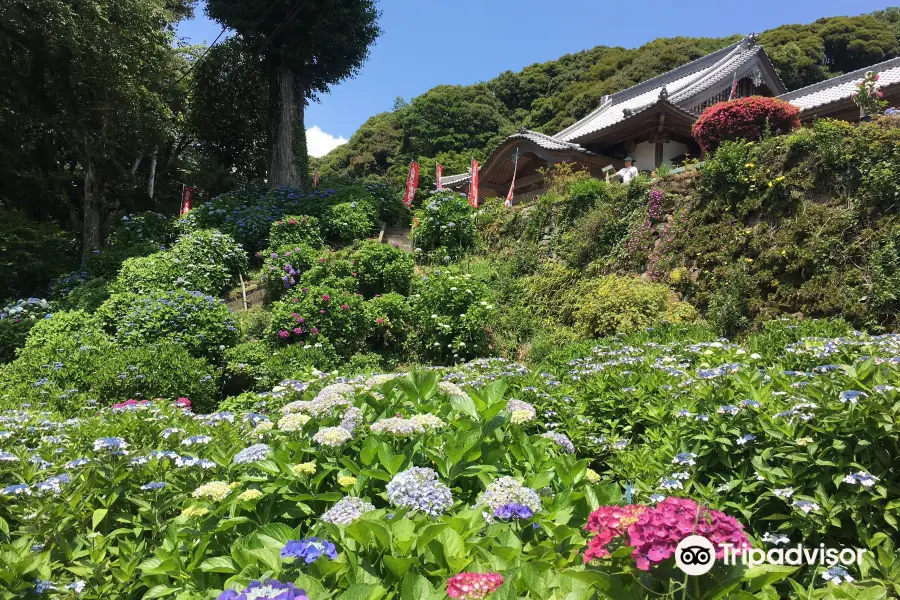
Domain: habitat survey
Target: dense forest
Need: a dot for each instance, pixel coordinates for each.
(448, 124)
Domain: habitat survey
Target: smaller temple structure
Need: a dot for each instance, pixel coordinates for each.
(832, 98)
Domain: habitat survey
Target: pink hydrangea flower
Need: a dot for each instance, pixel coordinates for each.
(284, 334)
(657, 532)
(473, 585)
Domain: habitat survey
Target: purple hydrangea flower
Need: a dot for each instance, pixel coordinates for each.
(309, 549)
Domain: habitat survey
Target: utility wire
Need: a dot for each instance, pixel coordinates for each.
(201, 57)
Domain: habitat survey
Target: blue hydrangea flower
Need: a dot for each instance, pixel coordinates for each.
(347, 510)
(251, 454)
(851, 396)
(153, 485)
(418, 488)
(110, 443)
(271, 589)
(745, 438)
(837, 575)
(513, 511)
(309, 549)
(685, 458)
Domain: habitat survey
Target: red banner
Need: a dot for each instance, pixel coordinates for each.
(187, 197)
(316, 179)
(440, 174)
(473, 185)
(412, 183)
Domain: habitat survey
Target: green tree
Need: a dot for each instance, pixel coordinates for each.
(228, 114)
(305, 47)
(88, 89)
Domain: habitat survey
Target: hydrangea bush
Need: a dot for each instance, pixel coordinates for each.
(445, 222)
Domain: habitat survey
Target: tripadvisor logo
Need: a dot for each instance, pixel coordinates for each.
(696, 555)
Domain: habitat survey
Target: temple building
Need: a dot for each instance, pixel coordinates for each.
(651, 121)
(832, 98)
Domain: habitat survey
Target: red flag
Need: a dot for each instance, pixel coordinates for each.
(734, 86)
(187, 196)
(316, 179)
(512, 185)
(473, 185)
(412, 182)
(440, 174)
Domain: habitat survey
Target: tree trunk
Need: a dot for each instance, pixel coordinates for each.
(283, 105)
(151, 181)
(91, 216)
(288, 158)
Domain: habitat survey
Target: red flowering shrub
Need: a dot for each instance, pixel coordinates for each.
(654, 532)
(744, 118)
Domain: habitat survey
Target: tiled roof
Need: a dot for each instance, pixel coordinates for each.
(451, 179)
(840, 88)
(681, 84)
(548, 142)
(544, 141)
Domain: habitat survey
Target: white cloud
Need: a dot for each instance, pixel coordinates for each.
(319, 143)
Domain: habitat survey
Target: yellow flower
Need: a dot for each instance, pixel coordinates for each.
(215, 490)
(591, 476)
(779, 179)
(193, 512)
(804, 441)
(293, 422)
(346, 480)
(750, 165)
(749, 260)
(784, 252)
(771, 184)
(307, 468)
(248, 495)
(263, 428)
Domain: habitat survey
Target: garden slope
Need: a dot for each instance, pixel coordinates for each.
(799, 224)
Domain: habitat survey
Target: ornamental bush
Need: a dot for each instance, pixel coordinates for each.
(16, 320)
(200, 323)
(390, 321)
(452, 313)
(207, 260)
(445, 221)
(315, 312)
(744, 118)
(144, 274)
(295, 231)
(31, 254)
(616, 304)
(284, 267)
(348, 221)
(142, 228)
(247, 214)
(381, 268)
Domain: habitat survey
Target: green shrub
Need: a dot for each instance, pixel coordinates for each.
(390, 320)
(367, 363)
(200, 323)
(142, 228)
(87, 295)
(382, 269)
(106, 262)
(161, 370)
(728, 311)
(445, 221)
(331, 270)
(393, 212)
(207, 261)
(283, 268)
(295, 231)
(144, 274)
(452, 313)
(16, 320)
(31, 254)
(347, 222)
(616, 304)
(316, 312)
(253, 323)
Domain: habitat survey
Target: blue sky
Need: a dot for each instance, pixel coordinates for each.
(430, 42)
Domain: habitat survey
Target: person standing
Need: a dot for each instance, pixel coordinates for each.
(629, 172)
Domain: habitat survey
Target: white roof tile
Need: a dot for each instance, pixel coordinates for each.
(681, 84)
(840, 88)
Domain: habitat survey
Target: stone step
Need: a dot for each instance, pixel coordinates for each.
(397, 236)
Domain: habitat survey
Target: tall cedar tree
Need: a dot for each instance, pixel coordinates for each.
(306, 46)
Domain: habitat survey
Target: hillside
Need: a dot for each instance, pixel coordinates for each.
(449, 124)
